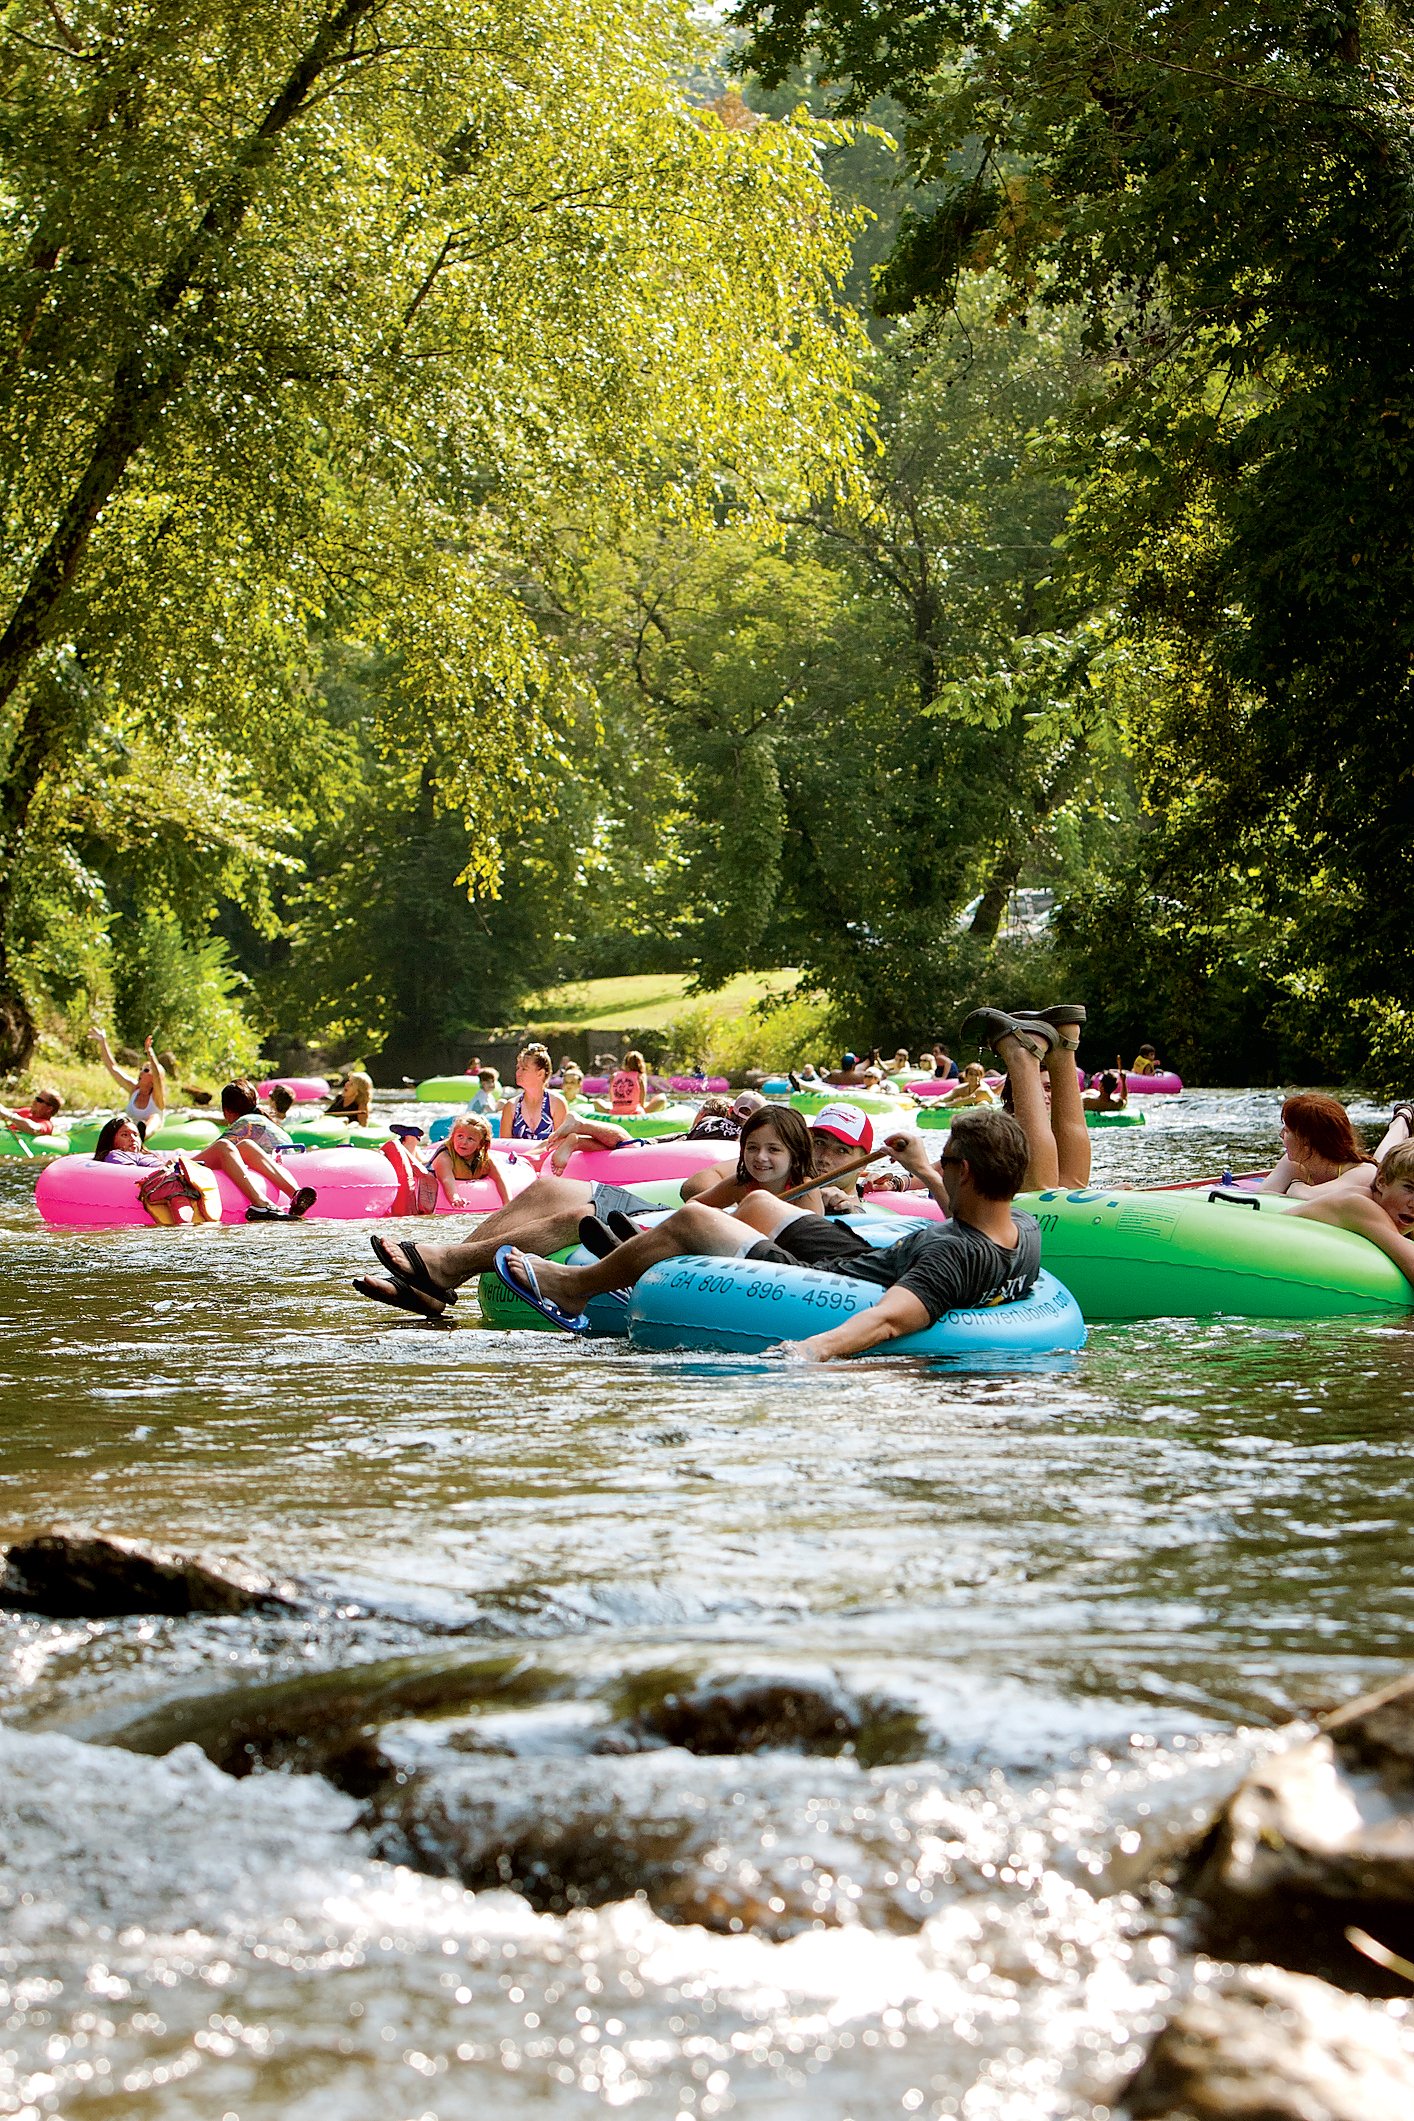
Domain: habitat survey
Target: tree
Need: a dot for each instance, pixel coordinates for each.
(1225, 198)
(888, 713)
(333, 317)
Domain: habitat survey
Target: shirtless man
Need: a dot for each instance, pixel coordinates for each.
(1384, 1214)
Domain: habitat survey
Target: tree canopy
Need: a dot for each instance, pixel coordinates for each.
(1221, 197)
(339, 319)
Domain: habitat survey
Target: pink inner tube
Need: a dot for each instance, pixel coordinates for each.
(700, 1085)
(304, 1089)
(645, 1160)
(1165, 1084)
(921, 1205)
(353, 1185)
(595, 1086)
(478, 1196)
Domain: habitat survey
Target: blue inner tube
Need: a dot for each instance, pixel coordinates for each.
(742, 1306)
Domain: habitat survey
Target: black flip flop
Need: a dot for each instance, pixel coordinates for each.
(399, 1298)
(416, 1275)
(303, 1201)
(622, 1225)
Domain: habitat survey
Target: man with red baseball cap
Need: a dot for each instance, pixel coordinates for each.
(838, 1134)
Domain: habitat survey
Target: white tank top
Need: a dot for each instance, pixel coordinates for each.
(148, 1115)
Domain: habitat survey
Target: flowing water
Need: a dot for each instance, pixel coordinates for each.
(1065, 1610)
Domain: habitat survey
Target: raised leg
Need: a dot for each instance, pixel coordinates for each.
(544, 1218)
(223, 1156)
(1072, 1136)
(1396, 1133)
(260, 1160)
(1028, 1097)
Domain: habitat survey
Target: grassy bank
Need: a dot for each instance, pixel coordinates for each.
(649, 1001)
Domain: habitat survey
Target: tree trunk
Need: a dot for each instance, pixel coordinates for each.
(1006, 869)
(999, 886)
(144, 385)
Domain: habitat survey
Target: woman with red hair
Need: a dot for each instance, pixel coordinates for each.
(1319, 1146)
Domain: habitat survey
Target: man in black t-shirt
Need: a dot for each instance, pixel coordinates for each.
(986, 1254)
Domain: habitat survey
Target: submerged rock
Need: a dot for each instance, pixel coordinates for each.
(1256, 2043)
(69, 1573)
(755, 1712)
(328, 1723)
(732, 1847)
(1318, 1840)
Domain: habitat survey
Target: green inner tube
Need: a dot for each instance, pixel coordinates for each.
(931, 1120)
(337, 1134)
(31, 1147)
(506, 1313)
(866, 1100)
(1182, 1255)
(172, 1134)
(448, 1090)
(183, 1134)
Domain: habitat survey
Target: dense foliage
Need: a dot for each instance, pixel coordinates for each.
(328, 322)
(458, 535)
(1223, 199)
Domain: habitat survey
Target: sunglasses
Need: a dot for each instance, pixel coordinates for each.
(952, 1160)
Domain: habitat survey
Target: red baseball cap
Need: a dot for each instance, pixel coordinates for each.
(847, 1124)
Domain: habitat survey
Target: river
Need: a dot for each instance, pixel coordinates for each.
(1065, 1610)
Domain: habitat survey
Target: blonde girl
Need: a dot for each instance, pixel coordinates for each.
(466, 1155)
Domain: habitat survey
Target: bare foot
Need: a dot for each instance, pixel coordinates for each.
(554, 1279)
(399, 1296)
(392, 1253)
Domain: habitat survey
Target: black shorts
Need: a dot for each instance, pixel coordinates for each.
(811, 1241)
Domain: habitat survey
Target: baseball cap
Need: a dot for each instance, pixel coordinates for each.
(851, 1060)
(748, 1102)
(847, 1124)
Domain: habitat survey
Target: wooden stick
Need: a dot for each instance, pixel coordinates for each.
(833, 1178)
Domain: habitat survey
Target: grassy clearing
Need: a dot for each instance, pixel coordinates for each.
(83, 1085)
(648, 1001)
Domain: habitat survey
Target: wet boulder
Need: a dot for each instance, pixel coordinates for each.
(1256, 2043)
(806, 1711)
(1316, 1841)
(735, 1846)
(69, 1573)
(331, 1723)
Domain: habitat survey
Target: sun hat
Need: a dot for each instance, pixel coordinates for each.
(845, 1123)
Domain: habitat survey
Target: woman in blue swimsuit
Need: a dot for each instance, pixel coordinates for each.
(536, 1110)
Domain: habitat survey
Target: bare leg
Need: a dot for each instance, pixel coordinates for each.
(1072, 1136)
(1028, 1096)
(1395, 1134)
(544, 1218)
(690, 1229)
(223, 1156)
(260, 1160)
